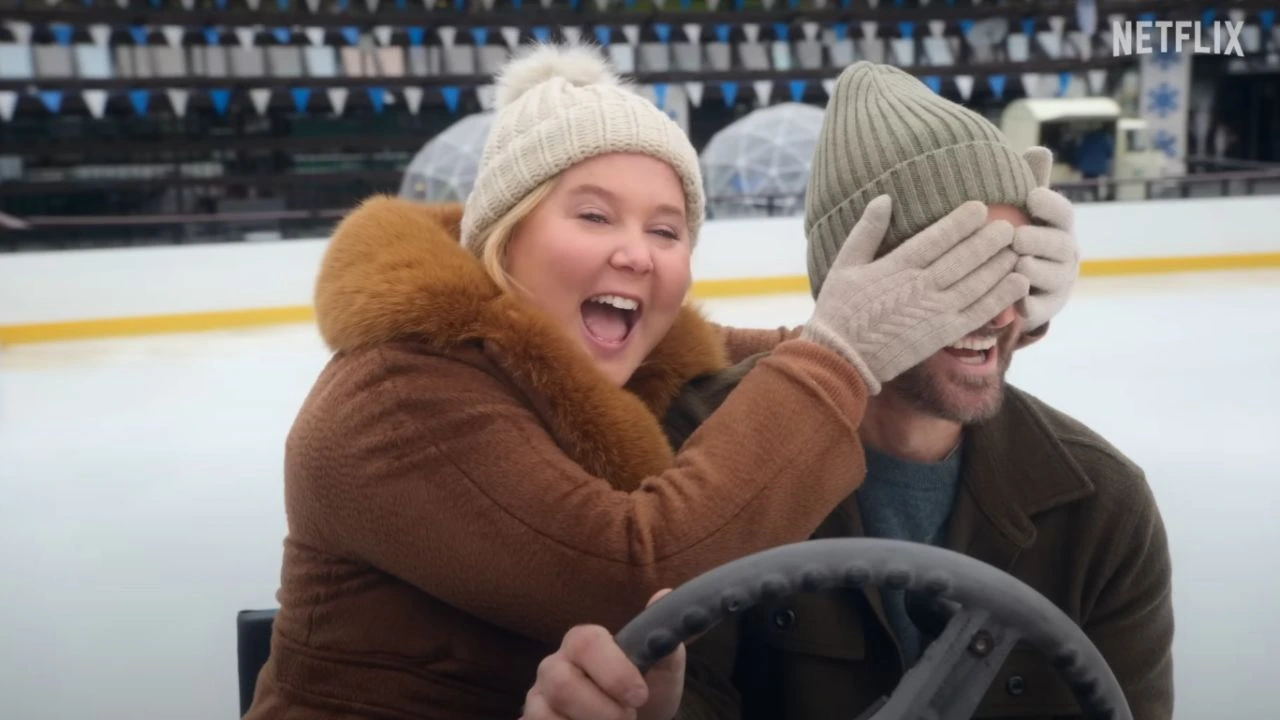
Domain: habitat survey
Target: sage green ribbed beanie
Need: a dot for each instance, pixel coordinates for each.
(887, 133)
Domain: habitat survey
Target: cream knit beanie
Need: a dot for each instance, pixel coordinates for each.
(887, 133)
(558, 105)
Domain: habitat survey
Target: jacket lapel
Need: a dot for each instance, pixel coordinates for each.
(1014, 467)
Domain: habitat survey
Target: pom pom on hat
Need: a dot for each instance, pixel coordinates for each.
(578, 65)
(557, 106)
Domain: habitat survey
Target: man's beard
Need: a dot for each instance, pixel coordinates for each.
(961, 399)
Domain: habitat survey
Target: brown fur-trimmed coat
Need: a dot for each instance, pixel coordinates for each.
(462, 486)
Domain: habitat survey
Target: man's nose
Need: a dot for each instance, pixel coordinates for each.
(1003, 320)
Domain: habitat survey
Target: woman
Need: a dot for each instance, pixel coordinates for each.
(480, 466)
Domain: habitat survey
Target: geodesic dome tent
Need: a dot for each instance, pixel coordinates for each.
(760, 163)
(444, 170)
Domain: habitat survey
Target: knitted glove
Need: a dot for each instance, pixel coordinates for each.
(889, 315)
(1048, 254)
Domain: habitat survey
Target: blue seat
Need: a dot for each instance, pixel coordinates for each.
(253, 646)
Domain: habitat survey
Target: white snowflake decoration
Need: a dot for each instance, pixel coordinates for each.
(1166, 59)
(1165, 142)
(1163, 99)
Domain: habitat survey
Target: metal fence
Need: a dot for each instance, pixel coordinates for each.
(264, 208)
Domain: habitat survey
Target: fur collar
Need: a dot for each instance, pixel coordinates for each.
(394, 271)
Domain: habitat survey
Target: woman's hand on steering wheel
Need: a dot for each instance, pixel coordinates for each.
(590, 678)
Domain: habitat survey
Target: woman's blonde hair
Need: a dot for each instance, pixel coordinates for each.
(492, 248)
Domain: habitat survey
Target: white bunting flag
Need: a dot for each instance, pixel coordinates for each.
(1097, 81)
(100, 34)
(413, 98)
(1051, 43)
(1081, 44)
(178, 100)
(173, 34)
(21, 32)
(261, 98)
(1057, 24)
(694, 91)
(764, 90)
(338, 99)
(8, 103)
(1031, 83)
(96, 100)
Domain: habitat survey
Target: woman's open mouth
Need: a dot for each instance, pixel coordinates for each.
(609, 319)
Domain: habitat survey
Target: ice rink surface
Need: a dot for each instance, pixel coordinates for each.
(142, 501)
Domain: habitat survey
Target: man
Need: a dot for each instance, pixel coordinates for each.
(955, 456)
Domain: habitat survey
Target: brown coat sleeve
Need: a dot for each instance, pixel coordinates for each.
(431, 470)
(1131, 621)
(741, 343)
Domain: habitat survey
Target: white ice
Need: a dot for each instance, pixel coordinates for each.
(142, 503)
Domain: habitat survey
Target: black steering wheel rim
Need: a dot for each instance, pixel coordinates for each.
(1002, 600)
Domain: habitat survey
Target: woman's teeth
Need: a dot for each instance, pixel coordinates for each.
(619, 302)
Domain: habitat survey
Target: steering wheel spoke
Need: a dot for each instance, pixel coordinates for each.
(953, 674)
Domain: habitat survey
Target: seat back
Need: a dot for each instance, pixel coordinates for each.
(253, 646)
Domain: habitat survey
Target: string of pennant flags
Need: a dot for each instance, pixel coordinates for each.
(392, 61)
(315, 6)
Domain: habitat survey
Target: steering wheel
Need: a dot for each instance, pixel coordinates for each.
(987, 612)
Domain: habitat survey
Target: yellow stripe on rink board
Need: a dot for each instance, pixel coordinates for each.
(734, 287)
(152, 324)
(1191, 263)
(739, 287)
